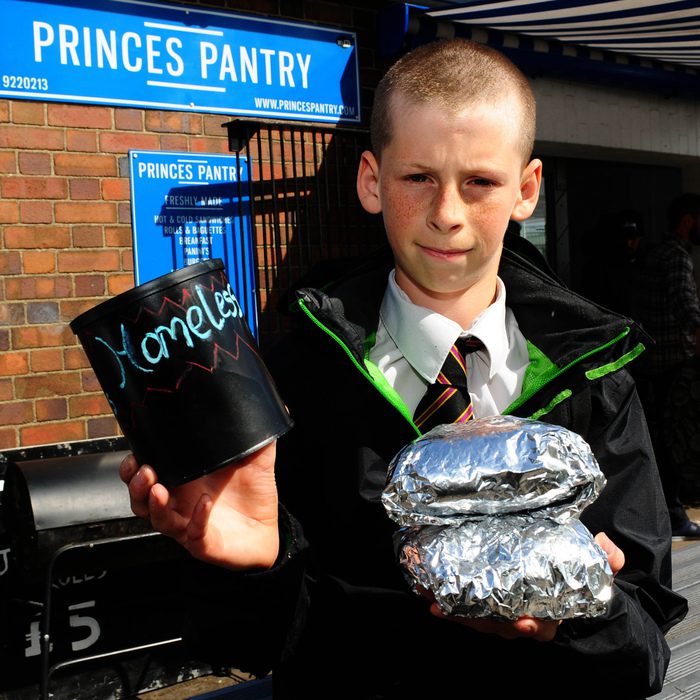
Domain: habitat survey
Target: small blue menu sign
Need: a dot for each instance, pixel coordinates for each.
(189, 207)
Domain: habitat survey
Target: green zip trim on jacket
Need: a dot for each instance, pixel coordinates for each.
(614, 366)
(541, 370)
(371, 372)
(591, 374)
(561, 396)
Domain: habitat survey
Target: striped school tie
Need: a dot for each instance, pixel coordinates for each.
(447, 400)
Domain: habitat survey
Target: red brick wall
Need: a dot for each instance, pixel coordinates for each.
(65, 236)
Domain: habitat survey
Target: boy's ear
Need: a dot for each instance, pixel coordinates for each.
(368, 183)
(529, 191)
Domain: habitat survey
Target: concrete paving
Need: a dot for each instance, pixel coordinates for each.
(683, 677)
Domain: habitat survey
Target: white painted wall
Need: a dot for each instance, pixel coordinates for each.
(646, 126)
(615, 124)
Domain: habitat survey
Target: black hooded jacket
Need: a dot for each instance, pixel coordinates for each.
(335, 615)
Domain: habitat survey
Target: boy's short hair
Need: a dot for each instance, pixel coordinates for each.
(452, 73)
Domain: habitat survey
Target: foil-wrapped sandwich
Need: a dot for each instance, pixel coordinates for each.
(489, 519)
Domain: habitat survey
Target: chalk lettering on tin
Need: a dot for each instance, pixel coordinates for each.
(155, 344)
(158, 335)
(195, 325)
(217, 324)
(126, 351)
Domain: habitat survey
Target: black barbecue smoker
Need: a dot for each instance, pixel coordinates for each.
(90, 597)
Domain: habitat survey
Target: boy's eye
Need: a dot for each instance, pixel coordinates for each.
(480, 182)
(417, 177)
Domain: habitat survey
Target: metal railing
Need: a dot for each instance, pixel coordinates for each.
(307, 221)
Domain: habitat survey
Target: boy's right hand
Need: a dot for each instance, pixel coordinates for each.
(227, 517)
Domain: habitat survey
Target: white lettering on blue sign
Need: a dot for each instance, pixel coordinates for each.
(81, 46)
(136, 53)
(189, 207)
(184, 171)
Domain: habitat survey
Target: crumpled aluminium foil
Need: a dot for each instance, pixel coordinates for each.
(508, 567)
(489, 513)
(499, 464)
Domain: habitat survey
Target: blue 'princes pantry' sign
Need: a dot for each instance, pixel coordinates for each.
(129, 53)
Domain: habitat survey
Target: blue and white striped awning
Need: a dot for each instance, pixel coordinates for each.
(659, 30)
(653, 46)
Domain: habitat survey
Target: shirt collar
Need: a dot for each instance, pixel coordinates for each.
(490, 328)
(424, 337)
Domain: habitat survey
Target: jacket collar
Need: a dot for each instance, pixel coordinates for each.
(561, 323)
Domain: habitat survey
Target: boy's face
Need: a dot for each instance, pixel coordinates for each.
(447, 184)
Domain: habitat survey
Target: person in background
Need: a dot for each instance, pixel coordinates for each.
(668, 308)
(308, 584)
(610, 273)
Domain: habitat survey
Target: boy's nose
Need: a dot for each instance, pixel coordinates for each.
(447, 211)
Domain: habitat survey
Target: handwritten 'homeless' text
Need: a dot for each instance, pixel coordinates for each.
(200, 321)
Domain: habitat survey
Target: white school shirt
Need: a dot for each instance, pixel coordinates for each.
(412, 343)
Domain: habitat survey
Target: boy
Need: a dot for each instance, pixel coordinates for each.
(326, 607)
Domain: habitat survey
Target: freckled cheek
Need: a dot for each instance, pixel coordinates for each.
(490, 222)
(402, 209)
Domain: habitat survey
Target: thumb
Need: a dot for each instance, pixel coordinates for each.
(616, 557)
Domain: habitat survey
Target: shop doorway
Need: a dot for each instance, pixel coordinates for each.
(597, 192)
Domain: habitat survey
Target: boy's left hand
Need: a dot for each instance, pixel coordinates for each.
(616, 557)
(530, 627)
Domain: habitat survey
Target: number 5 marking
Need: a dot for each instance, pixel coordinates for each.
(91, 623)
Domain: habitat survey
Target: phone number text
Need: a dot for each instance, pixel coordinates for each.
(24, 82)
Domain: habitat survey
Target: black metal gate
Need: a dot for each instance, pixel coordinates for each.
(308, 224)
